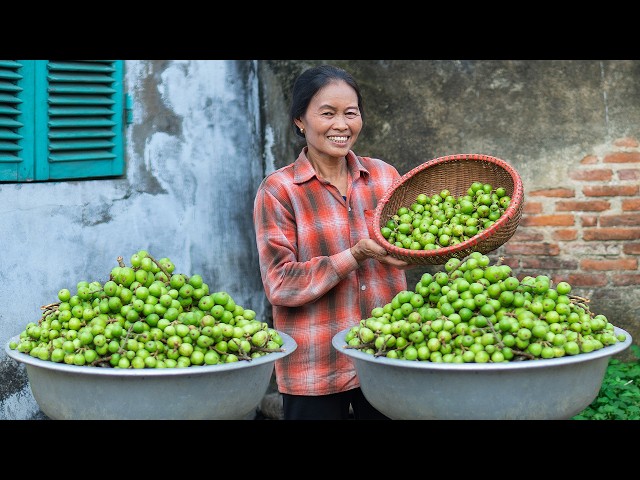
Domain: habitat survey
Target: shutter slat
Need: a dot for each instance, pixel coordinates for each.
(79, 123)
(94, 66)
(9, 147)
(71, 134)
(75, 78)
(8, 123)
(9, 87)
(82, 157)
(80, 89)
(9, 99)
(9, 64)
(61, 146)
(9, 135)
(9, 75)
(70, 111)
(4, 158)
(8, 110)
(82, 100)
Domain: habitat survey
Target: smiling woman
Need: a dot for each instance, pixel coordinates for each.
(320, 269)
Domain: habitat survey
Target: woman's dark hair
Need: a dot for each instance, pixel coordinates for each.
(309, 82)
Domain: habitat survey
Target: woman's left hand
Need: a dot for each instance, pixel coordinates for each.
(368, 248)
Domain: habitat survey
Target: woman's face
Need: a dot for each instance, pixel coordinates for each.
(332, 121)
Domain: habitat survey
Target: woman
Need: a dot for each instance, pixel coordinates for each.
(321, 271)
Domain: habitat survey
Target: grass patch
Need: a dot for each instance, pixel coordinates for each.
(619, 396)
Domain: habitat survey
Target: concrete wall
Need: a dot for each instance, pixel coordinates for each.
(205, 132)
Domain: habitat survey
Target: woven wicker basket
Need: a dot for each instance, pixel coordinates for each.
(455, 173)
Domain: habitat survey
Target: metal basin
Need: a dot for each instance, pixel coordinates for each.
(213, 392)
(545, 389)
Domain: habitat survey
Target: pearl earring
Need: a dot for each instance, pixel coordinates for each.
(302, 131)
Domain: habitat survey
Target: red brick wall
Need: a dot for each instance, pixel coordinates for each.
(586, 230)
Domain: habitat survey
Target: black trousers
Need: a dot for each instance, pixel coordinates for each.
(330, 407)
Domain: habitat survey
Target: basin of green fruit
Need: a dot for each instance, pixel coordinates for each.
(148, 343)
(473, 341)
(229, 391)
(544, 389)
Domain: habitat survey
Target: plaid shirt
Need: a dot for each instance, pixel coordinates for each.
(304, 230)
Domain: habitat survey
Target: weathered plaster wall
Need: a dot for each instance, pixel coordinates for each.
(193, 161)
(537, 114)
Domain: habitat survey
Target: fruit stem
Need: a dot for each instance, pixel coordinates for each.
(160, 266)
(267, 350)
(362, 346)
(522, 353)
(495, 334)
(100, 361)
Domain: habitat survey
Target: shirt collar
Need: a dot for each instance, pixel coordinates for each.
(303, 171)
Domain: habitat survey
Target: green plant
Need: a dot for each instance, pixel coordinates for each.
(619, 396)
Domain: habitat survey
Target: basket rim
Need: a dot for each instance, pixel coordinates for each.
(511, 211)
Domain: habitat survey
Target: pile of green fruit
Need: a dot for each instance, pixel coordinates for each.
(473, 311)
(146, 316)
(443, 220)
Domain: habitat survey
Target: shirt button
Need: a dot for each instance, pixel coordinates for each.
(363, 287)
(349, 208)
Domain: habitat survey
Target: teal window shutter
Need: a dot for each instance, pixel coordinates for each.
(61, 119)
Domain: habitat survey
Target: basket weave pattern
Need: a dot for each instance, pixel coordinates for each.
(455, 173)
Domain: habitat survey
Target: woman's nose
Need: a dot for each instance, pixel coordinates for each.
(340, 121)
